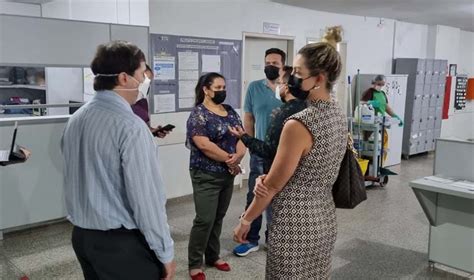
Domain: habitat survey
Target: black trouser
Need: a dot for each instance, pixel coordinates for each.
(115, 254)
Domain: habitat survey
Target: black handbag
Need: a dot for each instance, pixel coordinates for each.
(349, 189)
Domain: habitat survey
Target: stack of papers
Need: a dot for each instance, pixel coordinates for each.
(464, 185)
(439, 179)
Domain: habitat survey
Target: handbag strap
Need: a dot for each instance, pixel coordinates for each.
(350, 144)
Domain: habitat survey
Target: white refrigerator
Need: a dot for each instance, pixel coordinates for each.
(396, 89)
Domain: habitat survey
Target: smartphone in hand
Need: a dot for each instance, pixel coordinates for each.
(168, 127)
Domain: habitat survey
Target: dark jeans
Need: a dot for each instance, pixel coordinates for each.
(256, 169)
(212, 193)
(115, 254)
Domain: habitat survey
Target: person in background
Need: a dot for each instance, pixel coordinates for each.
(376, 97)
(259, 104)
(214, 162)
(267, 149)
(299, 185)
(114, 193)
(140, 108)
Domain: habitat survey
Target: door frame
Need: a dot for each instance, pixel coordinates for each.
(290, 54)
(247, 35)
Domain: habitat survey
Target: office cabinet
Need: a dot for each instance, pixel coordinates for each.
(424, 102)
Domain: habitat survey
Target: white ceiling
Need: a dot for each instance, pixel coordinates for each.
(455, 13)
(36, 2)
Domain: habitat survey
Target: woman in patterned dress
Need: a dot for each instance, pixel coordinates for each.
(313, 142)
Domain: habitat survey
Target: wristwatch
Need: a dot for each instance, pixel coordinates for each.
(244, 221)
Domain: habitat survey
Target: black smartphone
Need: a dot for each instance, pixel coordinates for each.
(167, 127)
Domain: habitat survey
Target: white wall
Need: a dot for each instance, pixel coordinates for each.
(466, 53)
(63, 84)
(456, 46)
(134, 12)
(411, 40)
(369, 47)
(448, 43)
(21, 9)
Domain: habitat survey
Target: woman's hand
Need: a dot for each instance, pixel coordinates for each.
(235, 170)
(260, 189)
(237, 131)
(25, 152)
(240, 233)
(234, 160)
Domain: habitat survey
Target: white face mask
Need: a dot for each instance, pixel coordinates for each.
(277, 92)
(143, 88)
(378, 88)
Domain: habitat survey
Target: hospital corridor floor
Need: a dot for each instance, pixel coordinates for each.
(386, 237)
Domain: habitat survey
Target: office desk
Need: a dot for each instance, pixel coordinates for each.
(450, 211)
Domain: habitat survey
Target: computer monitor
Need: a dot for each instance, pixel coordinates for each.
(72, 110)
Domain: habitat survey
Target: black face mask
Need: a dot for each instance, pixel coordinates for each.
(219, 96)
(272, 72)
(294, 86)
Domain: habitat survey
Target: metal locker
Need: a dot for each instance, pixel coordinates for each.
(425, 101)
(440, 89)
(431, 122)
(425, 112)
(433, 100)
(444, 67)
(437, 133)
(420, 78)
(440, 100)
(429, 146)
(437, 66)
(423, 124)
(432, 112)
(426, 89)
(428, 77)
(429, 65)
(421, 65)
(413, 143)
(417, 102)
(438, 122)
(415, 124)
(421, 142)
(416, 113)
(439, 112)
(419, 89)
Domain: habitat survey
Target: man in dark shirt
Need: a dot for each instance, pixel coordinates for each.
(267, 149)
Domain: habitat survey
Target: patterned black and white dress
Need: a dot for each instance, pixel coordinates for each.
(303, 229)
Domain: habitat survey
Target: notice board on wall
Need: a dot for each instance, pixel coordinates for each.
(179, 61)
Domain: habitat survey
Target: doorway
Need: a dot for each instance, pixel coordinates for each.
(254, 47)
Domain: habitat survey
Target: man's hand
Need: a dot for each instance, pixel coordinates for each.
(170, 270)
(237, 131)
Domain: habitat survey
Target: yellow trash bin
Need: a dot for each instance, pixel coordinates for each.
(364, 164)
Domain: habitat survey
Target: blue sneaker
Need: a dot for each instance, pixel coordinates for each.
(245, 248)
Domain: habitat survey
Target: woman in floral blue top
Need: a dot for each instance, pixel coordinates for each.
(214, 162)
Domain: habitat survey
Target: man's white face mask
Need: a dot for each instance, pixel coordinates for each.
(143, 88)
(277, 92)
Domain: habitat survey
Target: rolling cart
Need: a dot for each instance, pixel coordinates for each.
(373, 150)
(376, 174)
